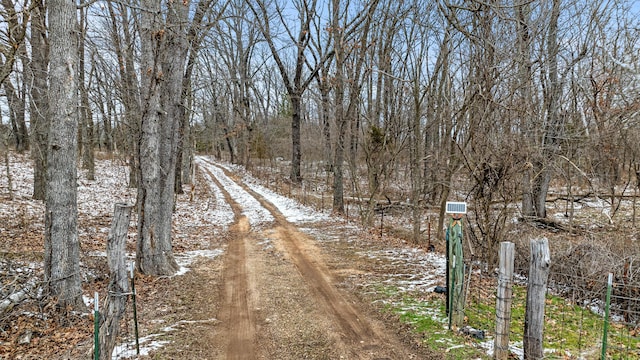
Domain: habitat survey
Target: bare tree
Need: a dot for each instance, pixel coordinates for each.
(38, 102)
(62, 248)
(123, 43)
(553, 126)
(86, 142)
(195, 35)
(296, 83)
(350, 38)
(235, 42)
(13, 50)
(163, 59)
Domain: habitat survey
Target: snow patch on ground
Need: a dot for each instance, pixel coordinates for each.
(424, 270)
(291, 209)
(252, 209)
(148, 343)
(192, 214)
(185, 259)
(97, 197)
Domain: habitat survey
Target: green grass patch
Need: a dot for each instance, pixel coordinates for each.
(571, 331)
(428, 319)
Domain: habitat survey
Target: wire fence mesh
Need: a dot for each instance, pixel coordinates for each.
(574, 315)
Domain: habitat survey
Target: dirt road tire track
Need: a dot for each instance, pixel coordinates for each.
(356, 335)
(235, 314)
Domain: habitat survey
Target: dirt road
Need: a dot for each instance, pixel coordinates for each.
(280, 300)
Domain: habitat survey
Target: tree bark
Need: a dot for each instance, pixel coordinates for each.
(62, 248)
(174, 93)
(339, 113)
(39, 106)
(553, 124)
(296, 159)
(86, 116)
(129, 89)
(325, 104)
(157, 147)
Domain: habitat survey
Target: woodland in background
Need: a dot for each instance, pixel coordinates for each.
(503, 104)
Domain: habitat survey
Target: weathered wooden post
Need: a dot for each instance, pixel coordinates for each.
(115, 304)
(503, 301)
(536, 291)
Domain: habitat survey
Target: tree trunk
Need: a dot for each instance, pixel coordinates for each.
(62, 249)
(17, 116)
(38, 106)
(194, 37)
(175, 93)
(416, 178)
(156, 149)
(86, 116)
(4, 148)
(130, 92)
(296, 155)
(178, 176)
(338, 180)
(326, 125)
(339, 111)
(553, 124)
(525, 108)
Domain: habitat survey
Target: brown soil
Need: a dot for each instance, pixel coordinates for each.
(275, 293)
(282, 301)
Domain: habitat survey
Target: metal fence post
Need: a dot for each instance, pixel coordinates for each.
(605, 326)
(96, 327)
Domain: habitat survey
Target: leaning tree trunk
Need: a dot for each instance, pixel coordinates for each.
(62, 249)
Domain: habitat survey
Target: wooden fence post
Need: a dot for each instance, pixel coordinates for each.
(503, 301)
(115, 304)
(536, 291)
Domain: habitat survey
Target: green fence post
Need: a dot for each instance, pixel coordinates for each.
(96, 327)
(135, 311)
(455, 272)
(606, 317)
